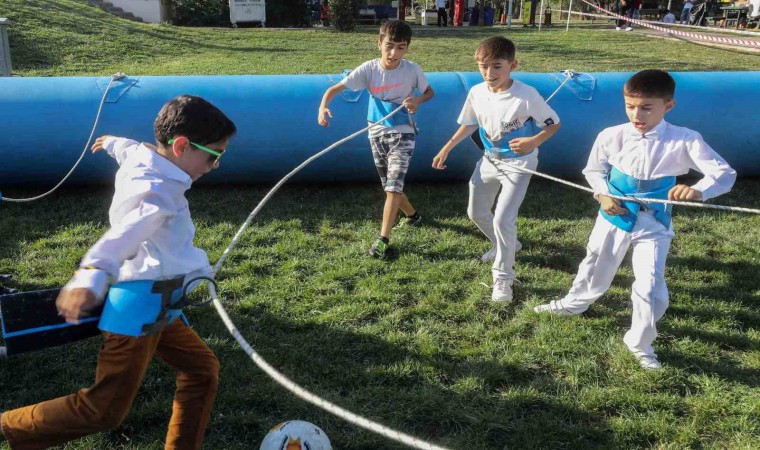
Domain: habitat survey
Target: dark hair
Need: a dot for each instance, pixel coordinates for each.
(496, 47)
(652, 83)
(192, 117)
(396, 31)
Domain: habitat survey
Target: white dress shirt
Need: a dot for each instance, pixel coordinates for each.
(151, 234)
(666, 150)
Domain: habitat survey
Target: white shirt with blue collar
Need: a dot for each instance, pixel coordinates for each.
(151, 234)
(666, 150)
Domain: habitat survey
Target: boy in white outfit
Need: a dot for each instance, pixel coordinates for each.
(640, 159)
(513, 120)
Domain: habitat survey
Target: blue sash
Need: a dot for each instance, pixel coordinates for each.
(379, 109)
(142, 307)
(501, 147)
(626, 185)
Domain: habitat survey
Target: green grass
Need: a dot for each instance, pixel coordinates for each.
(415, 343)
(68, 37)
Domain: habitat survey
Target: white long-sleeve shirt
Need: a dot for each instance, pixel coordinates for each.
(666, 150)
(151, 234)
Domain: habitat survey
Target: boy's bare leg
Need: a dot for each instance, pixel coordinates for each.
(390, 210)
(406, 206)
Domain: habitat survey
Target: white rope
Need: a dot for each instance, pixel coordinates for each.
(569, 74)
(114, 77)
(312, 398)
(496, 163)
(266, 367)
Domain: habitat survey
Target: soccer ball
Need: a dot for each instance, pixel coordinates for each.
(296, 435)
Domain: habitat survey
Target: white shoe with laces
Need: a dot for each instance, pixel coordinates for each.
(617, 28)
(648, 362)
(628, 28)
(502, 290)
(554, 308)
(490, 255)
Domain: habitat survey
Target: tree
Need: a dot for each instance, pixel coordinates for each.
(344, 13)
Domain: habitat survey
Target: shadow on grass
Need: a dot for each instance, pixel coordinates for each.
(397, 385)
(459, 402)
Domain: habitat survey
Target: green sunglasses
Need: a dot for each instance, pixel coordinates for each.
(217, 155)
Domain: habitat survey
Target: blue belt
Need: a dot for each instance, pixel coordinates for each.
(143, 307)
(628, 186)
(500, 148)
(378, 109)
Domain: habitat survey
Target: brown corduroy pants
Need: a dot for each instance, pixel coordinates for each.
(122, 363)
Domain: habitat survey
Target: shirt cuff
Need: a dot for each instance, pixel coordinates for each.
(704, 186)
(95, 280)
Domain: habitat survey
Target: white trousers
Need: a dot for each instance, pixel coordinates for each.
(606, 249)
(500, 226)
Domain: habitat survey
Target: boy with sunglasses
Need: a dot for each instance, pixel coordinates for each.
(142, 262)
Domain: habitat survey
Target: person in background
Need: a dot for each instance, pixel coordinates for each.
(324, 14)
(440, 5)
(685, 12)
(625, 9)
(669, 17)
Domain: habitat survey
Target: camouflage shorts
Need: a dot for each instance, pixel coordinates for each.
(392, 153)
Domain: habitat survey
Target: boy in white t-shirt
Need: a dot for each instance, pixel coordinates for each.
(513, 120)
(391, 81)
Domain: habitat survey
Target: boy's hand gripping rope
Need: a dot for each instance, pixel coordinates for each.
(499, 166)
(263, 364)
(569, 73)
(115, 77)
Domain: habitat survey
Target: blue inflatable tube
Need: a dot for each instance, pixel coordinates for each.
(45, 122)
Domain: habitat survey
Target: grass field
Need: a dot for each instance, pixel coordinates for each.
(415, 343)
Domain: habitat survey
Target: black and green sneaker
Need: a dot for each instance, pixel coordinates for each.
(381, 249)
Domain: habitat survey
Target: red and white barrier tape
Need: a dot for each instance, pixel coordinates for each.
(686, 34)
(669, 25)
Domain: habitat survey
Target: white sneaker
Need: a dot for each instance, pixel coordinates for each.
(648, 362)
(554, 308)
(617, 28)
(502, 290)
(628, 28)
